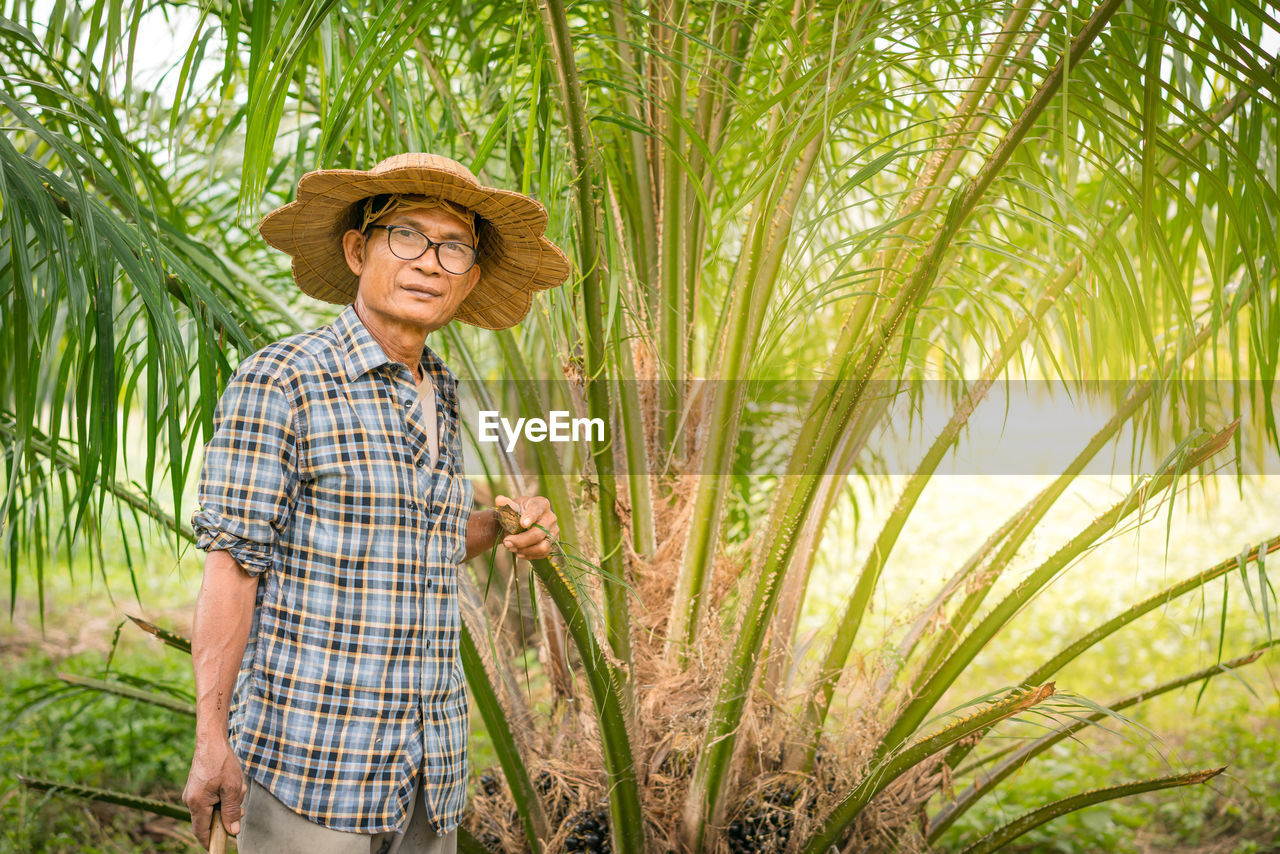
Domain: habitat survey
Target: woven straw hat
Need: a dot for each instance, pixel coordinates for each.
(515, 258)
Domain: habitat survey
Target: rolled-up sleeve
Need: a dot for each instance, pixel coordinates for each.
(249, 480)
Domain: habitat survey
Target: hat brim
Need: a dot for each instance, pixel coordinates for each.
(310, 229)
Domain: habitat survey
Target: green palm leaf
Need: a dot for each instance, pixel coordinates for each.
(1004, 835)
(107, 796)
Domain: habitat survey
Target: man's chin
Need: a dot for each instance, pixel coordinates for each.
(427, 313)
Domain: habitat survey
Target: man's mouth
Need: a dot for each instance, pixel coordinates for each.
(423, 290)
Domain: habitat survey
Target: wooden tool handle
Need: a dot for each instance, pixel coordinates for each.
(218, 837)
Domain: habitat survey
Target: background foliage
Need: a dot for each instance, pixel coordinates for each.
(878, 197)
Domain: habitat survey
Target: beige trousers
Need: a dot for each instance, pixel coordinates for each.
(270, 827)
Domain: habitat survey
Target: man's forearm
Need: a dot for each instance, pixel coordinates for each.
(482, 532)
(220, 630)
(224, 613)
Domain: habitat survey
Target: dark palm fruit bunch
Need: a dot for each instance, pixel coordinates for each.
(489, 784)
(490, 842)
(589, 832)
(553, 796)
(764, 825)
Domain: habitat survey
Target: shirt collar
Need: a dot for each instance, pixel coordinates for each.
(362, 353)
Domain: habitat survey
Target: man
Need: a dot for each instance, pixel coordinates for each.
(331, 706)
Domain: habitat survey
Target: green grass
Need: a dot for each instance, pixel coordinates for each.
(91, 739)
(87, 737)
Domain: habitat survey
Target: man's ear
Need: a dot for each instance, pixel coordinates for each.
(474, 276)
(353, 247)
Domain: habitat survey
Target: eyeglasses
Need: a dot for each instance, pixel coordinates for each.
(409, 244)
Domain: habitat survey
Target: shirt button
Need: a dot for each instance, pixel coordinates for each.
(428, 583)
(421, 463)
(413, 505)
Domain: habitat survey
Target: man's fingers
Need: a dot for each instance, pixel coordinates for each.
(201, 821)
(534, 552)
(232, 806)
(537, 510)
(530, 545)
(202, 829)
(526, 540)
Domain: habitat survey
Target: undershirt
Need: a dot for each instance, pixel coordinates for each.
(427, 397)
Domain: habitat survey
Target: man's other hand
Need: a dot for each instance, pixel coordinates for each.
(542, 530)
(215, 779)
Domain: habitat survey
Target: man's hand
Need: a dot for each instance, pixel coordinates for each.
(536, 516)
(215, 779)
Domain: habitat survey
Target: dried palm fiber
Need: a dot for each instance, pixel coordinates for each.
(892, 820)
(655, 577)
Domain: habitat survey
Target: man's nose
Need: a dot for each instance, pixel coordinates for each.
(429, 261)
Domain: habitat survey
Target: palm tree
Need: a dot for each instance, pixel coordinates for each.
(808, 209)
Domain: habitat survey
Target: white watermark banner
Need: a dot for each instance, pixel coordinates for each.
(1032, 427)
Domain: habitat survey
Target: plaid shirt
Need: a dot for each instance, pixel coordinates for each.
(318, 479)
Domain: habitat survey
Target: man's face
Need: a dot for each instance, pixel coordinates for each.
(419, 294)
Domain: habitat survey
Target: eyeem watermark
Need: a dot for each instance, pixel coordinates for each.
(1013, 427)
(556, 427)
